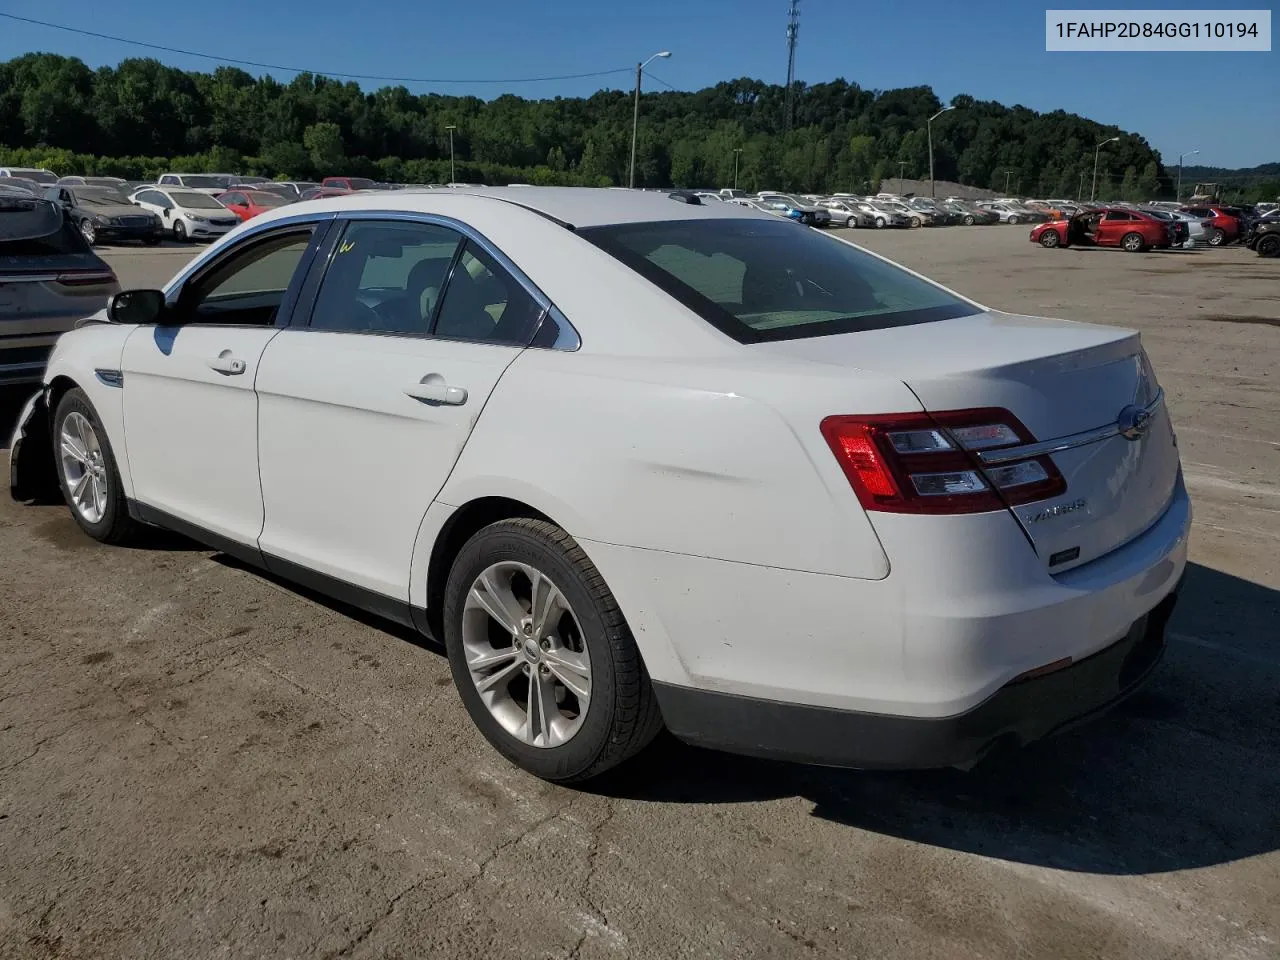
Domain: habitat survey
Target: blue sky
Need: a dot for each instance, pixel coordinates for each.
(1227, 105)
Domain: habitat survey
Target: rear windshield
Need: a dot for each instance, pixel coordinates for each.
(205, 182)
(36, 228)
(759, 280)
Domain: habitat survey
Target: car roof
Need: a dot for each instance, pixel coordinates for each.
(571, 206)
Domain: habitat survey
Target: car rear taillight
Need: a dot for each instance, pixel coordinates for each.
(925, 463)
(85, 278)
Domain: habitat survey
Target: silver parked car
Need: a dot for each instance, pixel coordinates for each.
(810, 214)
(49, 280)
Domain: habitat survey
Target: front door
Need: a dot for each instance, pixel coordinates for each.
(190, 411)
(364, 411)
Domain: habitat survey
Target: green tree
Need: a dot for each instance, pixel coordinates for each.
(324, 145)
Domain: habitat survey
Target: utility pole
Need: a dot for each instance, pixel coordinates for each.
(933, 190)
(736, 153)
(1093, 193)
(453, 173)
(1007, 175)
(793, 33)
(1178, 193)
(635, 117)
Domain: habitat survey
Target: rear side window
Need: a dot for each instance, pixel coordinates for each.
(758, 281)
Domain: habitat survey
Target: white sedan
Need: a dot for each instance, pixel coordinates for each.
(187, 214)
(642, 462)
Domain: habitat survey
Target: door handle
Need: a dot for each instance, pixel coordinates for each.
(433, 389)
(227, 364)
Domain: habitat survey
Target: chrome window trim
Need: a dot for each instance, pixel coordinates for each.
(991, 458)
(568, 333)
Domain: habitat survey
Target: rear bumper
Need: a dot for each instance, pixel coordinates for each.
(1017, 714)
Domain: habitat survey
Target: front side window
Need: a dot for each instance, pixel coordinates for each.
(385, 277)
(247, 287)
(756, 280)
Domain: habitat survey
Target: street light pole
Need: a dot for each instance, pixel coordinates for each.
(1007, 175)
(1178, 192)
(453, 172)
(1093, 191)
(737, 151)
(635, 116)
(933, 191)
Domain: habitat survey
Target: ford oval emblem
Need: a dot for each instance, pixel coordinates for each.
(1133, 422)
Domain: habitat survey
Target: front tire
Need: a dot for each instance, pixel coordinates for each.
(880, 223)
(1050, 239)
(969, 220)
(1217, 237)
(87, 471)
(88, 231)
(915, 221)
(179, 231)
(542, 656)
(1269, 246)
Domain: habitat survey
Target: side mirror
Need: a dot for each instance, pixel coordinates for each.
(142, 307)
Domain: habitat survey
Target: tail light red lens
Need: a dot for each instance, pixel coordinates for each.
(925, 463)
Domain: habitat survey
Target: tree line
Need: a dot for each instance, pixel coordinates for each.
(142, 117)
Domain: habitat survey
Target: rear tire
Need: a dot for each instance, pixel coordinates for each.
(1217, 237)
(621, 714)
(87, 471)
(1133, 242)
(915, 221)
(969, 220)
(1050, 239)
(880, 223)
(1269, 246)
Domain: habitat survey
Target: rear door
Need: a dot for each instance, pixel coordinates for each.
(365, 408)
(1114, 225)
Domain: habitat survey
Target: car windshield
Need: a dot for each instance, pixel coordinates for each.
(205, 182)
(195, 201)
(100, 196)
(756, 280)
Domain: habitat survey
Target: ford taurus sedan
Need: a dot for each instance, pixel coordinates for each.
(642, 462)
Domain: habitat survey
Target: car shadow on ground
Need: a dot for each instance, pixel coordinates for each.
(1184, 774)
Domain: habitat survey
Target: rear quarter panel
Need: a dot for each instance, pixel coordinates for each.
(710, 459)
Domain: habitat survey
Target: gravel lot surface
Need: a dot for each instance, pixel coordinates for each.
(197, 761)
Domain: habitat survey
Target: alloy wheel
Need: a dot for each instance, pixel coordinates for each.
(88, 231)
(83, 467)
(526, 655)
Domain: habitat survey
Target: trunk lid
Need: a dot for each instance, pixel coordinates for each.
(1060, 379)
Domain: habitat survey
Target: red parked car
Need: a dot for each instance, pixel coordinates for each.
(349, 183)
(1130, 230)
(319, 193)
(1223, 226)
(247, 204)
